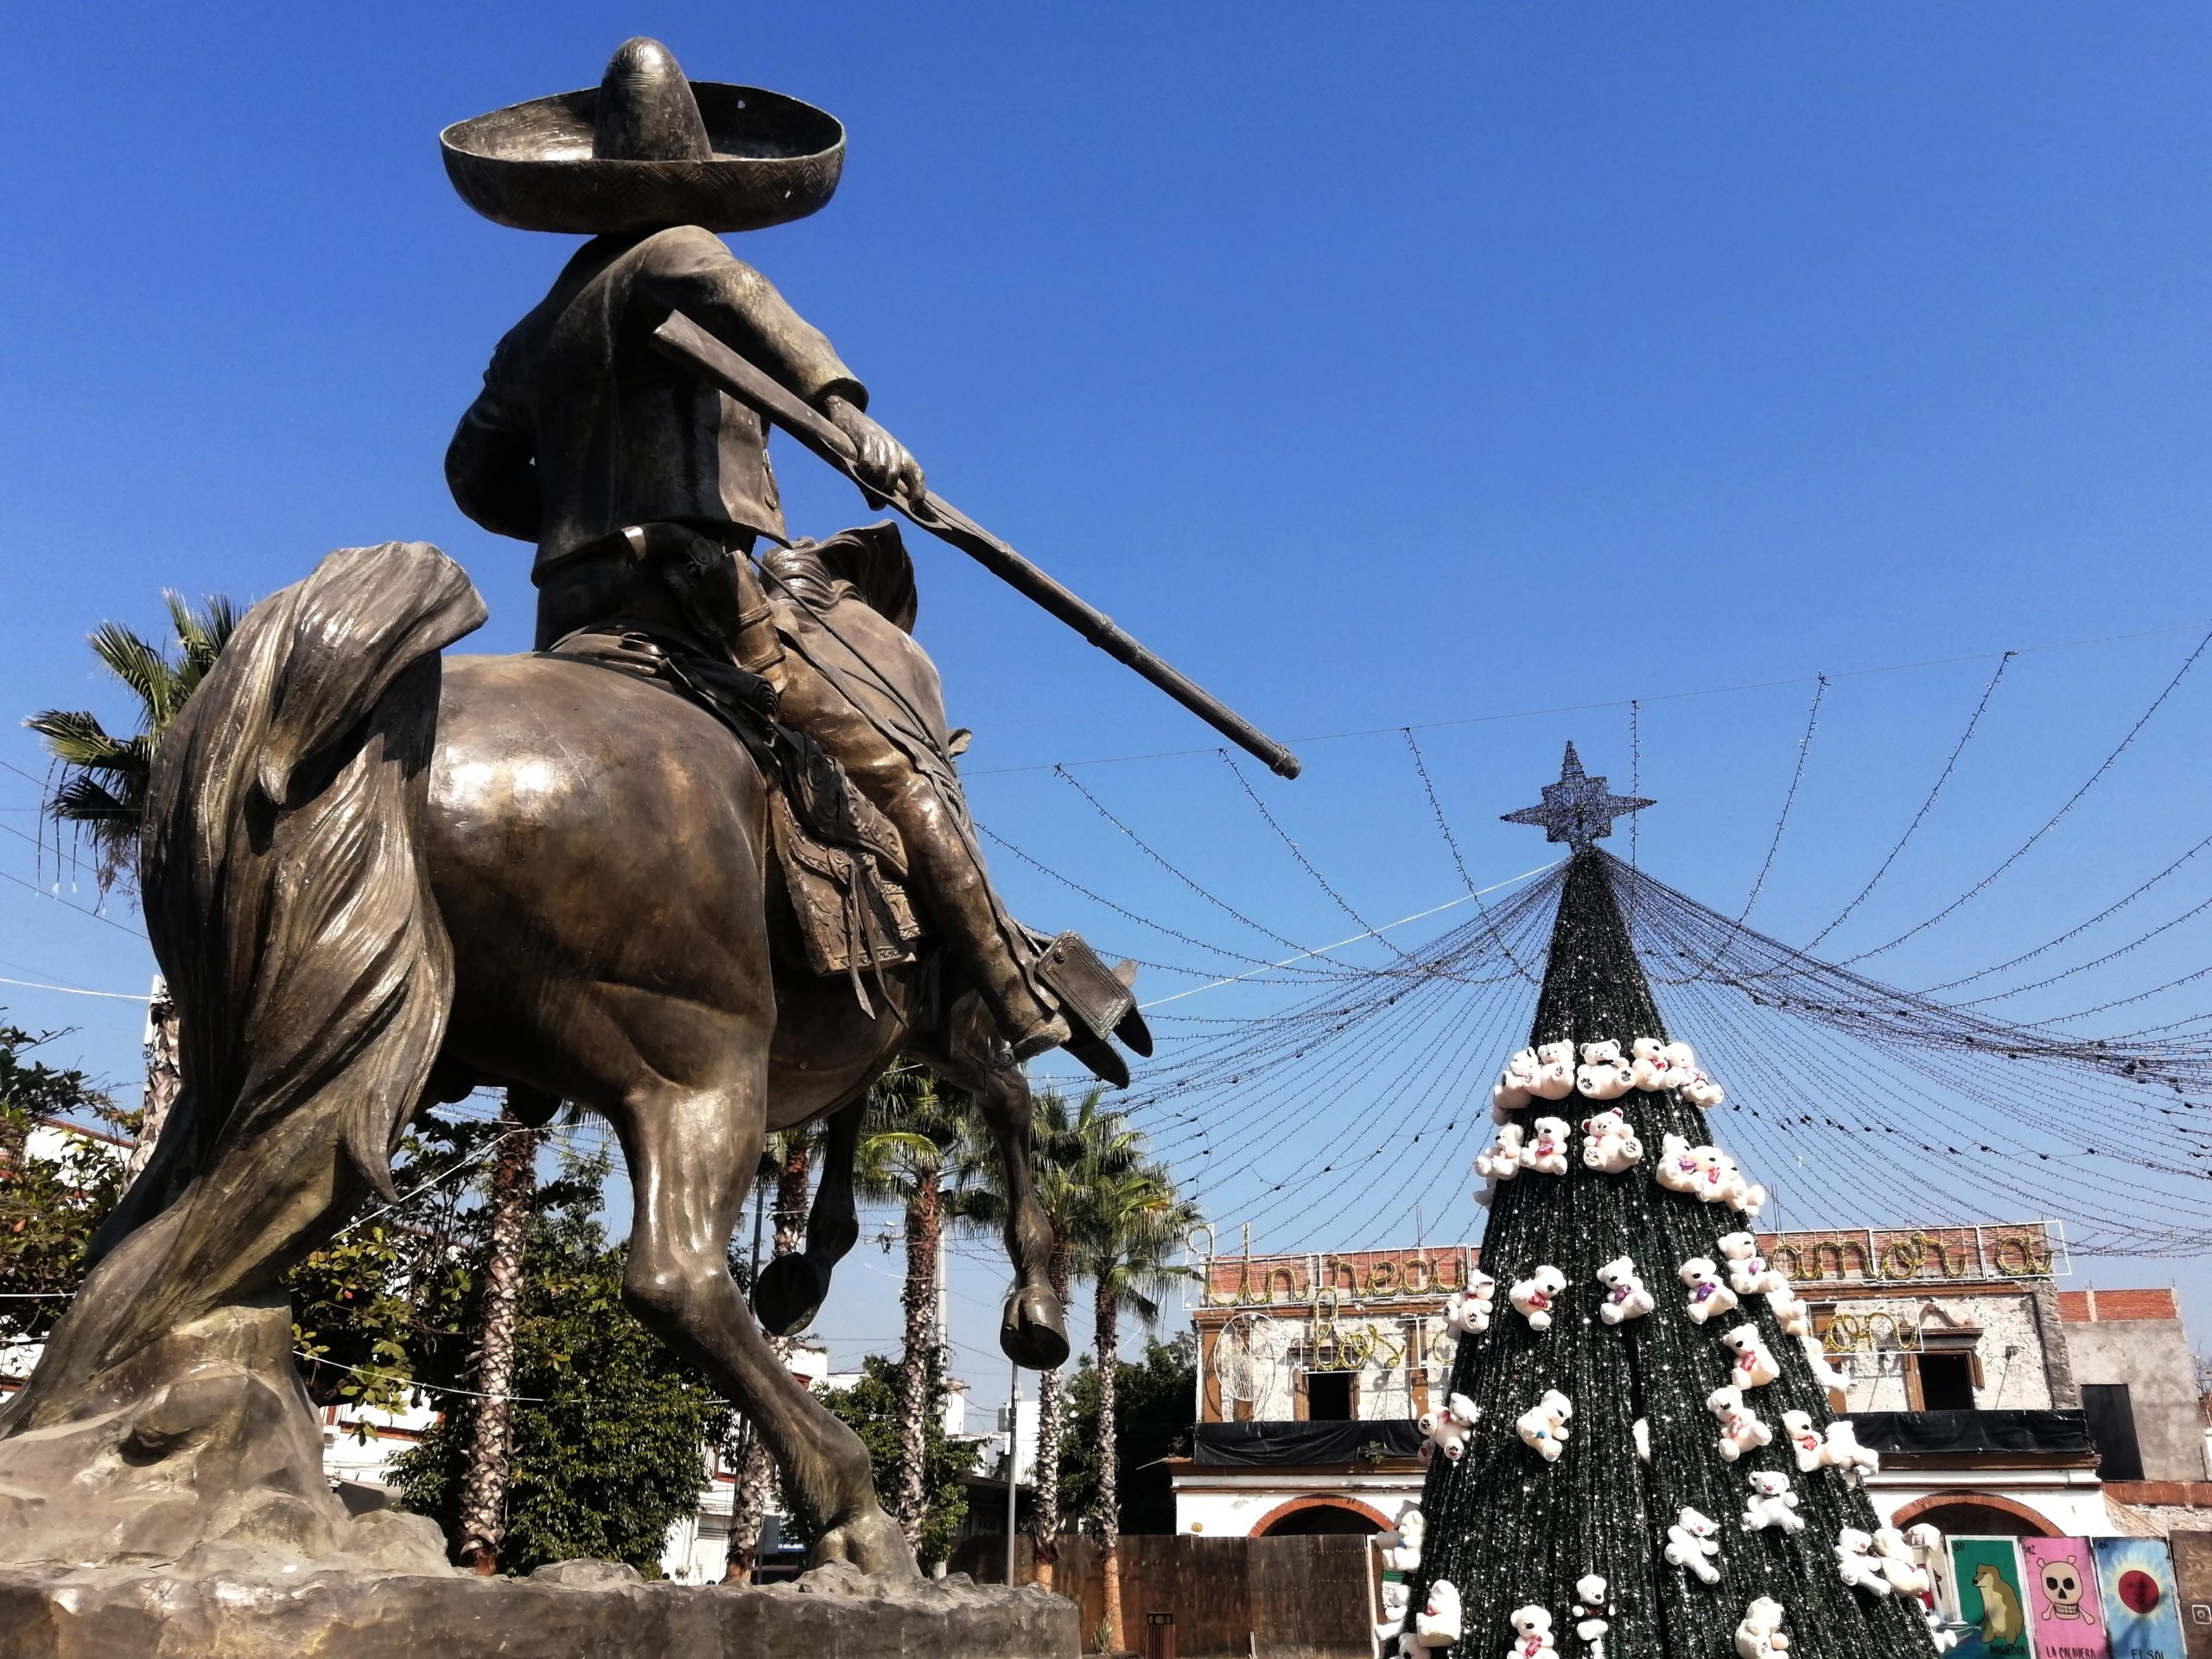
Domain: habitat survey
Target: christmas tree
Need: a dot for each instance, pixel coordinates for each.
(1647, 1406)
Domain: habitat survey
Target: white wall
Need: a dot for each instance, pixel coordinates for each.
(1230, 1503)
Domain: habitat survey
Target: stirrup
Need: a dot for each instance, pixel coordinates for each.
(1097, 998)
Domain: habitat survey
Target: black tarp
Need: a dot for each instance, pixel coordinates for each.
(1261, 1444)
(1972, 1431)
(1295, 1443)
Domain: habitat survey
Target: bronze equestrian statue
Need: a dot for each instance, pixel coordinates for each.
(688, 865)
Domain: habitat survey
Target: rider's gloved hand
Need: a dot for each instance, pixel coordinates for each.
(886, 469)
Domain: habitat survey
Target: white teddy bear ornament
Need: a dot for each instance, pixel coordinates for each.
(1824, 1373)
(1532, 1297)
(1501, 1161)
(1771, 1504)
(1837, 1449)
(1555, 1071)
(1546, 1151)
(1748, 1272)
(1790, 1313)
(1515, 1086)
(1397, 1596)
(1904, 1574)
(1720, 1181)
(1854, 1560)
(1437, 1624)
(1603, 1074)
(1608, 1143)
(1625, 1295)
(1741, 1429)
(1543, 1426)
(1592, 1613)
(1690, 1543)
(1755, 1367)
(1532, 1638)
(1448, 1429)
(1401, 1545)
(1678, 1169)
(1648, 1065)
(1759, 1635)
(1709, 1296)
(1468, 1311)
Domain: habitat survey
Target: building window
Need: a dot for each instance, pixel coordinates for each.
(1328, 1397)
(2111, 1426)
(1946, 1382)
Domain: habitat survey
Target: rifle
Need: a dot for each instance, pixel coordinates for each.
(685, 341)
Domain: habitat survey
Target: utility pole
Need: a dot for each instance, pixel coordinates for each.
(944, 1298)
(1012, 1466)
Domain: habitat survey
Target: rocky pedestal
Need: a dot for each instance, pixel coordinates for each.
(579, 1610)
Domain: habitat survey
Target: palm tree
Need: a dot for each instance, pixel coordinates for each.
(104, 777)
(1075, 1148)
(924, 1146)
(484, 1483)
(794, 1151)
(1128, 1235)
(102, 792)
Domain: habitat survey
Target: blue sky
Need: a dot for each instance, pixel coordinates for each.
(1376, 366)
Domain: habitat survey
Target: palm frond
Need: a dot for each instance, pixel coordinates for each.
(84, 800)
(142, 667)
(76, 738)
(202, 632)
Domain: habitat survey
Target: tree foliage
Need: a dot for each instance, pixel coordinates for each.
(396, 1282)
(50, 1203)
(871, 1409)
(1154, 1407)
(103, 787)
(609, 1427)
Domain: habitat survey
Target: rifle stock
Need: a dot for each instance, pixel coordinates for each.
(683, 340)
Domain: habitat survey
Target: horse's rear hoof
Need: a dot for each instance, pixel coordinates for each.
(1034, 1333)
(871, 1541)
(791, 1292)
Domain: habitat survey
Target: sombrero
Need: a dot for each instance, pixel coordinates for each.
(646, 149)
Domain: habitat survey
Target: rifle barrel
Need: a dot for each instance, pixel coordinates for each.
(685, 341)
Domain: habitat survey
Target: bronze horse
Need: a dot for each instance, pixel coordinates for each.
(375, 881)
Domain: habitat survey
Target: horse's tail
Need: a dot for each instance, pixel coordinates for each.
(284, 881)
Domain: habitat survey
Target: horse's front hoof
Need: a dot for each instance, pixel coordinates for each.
(1034, 1333)
(790, 1293)
(872, 1541)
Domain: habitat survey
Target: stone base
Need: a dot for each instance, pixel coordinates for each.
(578, 1610)
(198, 1455)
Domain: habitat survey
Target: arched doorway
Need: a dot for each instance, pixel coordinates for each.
(1312, 1517)
(1974, 1515)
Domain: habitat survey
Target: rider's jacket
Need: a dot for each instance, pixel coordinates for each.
(583, 428)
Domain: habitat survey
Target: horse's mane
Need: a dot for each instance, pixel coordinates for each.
(874, 560)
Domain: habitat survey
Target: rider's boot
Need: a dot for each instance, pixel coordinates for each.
(949, 884)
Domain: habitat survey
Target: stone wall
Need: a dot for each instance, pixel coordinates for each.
(2136, 1337)
(1878, 1332)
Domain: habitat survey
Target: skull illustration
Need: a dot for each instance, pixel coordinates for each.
(2062, 1589)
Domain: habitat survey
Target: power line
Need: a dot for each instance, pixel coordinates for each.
(32, 887)
(75, 990)
(2018, 853)
(1610, 702)
(1942, 777)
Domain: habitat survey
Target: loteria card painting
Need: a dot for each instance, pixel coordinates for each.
(2065, 1612)
(2142, 1606)
(1985, 1579)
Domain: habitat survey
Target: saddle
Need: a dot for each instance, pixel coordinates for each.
(843, 864)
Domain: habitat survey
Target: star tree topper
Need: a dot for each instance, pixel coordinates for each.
(1579, 809)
